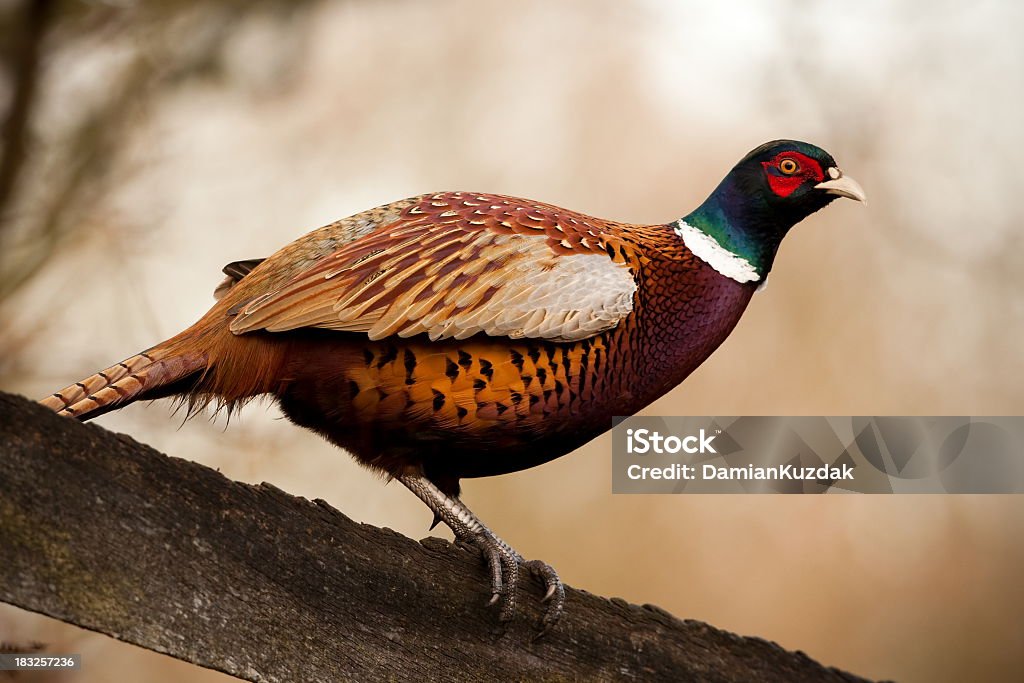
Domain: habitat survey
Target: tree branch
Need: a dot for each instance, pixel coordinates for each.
(105, 533)
(27, 37)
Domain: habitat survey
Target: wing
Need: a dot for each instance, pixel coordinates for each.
(453, 265)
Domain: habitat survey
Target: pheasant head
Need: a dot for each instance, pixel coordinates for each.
(739, 227)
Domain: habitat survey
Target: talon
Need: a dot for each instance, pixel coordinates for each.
(554, 595)
(494, 599)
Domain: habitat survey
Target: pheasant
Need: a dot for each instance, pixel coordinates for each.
(458, 335)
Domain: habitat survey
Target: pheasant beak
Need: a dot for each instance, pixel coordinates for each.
(842, 185)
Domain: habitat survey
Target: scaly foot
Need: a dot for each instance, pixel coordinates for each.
(506, 566)
(502, 560)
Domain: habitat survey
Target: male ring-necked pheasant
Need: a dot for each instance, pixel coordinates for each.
(459, 335)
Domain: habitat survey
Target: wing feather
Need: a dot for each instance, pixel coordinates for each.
(454, 265)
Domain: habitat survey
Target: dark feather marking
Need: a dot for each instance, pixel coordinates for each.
(365, 257)
(239, 269)
(551, 352)
(451, 369)
(409, 358)
(389, 356)
(584, 363)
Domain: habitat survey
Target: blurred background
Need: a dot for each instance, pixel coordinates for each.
(146, 144)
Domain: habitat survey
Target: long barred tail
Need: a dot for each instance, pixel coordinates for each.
(130, 380)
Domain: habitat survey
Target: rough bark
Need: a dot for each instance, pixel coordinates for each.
(105, 533)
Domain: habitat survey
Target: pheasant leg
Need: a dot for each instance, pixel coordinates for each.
(502, 560)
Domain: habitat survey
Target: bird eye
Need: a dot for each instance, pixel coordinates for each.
(788, 166)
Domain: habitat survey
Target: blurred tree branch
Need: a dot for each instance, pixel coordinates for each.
(103, 532)
(22, 64)
(52, 182)
(61, 161)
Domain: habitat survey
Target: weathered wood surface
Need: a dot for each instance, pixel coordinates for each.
(103, 532)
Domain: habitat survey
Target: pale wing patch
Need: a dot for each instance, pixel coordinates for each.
(563, 298)
(455, 284)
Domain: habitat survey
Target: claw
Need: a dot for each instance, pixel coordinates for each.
(437, 520)
(502, 560)
(555, 594)
(505, 564)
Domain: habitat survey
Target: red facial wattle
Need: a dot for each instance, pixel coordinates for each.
(784, 185)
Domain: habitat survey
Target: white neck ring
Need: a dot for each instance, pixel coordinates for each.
(707, 249)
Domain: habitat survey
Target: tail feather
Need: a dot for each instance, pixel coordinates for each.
(123, 383)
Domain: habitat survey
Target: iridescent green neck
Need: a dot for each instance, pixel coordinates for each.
(739, 224)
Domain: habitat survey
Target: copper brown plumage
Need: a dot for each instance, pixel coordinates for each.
(459, 335)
